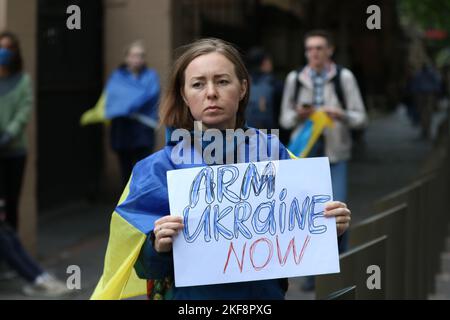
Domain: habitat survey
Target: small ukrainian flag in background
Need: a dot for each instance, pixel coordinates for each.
(303, 141)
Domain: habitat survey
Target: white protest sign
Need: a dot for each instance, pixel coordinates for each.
(252, 221)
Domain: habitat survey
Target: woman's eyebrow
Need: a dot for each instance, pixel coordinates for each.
(197, 78)
(222, 75)
(215, 76)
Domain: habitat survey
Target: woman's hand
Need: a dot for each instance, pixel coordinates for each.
(341, 212)
(165, 229)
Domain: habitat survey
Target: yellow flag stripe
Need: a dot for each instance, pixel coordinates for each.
(321, 121)
(95, 114)
(119, 279)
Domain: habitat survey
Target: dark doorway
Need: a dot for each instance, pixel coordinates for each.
(243, 38)
(69, 82)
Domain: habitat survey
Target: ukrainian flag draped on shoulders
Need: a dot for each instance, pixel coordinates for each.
(127, 95)
(145, 199)
(142, 203)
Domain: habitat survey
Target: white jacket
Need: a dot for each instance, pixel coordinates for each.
(338, 142)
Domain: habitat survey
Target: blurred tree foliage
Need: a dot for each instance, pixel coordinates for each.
(427, 13)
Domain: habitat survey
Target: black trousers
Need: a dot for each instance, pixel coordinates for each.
(128, 158)
(12, 251)
(11, 176)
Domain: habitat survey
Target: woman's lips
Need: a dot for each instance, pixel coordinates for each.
(213, 108)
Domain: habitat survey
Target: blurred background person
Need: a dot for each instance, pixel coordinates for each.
(15, 108)
(265, 92)
(323, 85)
(130, 101)
(39, 282)
(131, 137)
(407, 98)
(425, 87)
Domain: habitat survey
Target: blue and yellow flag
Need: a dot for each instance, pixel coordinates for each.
(144, 200)
(303, 141)
(127, 95)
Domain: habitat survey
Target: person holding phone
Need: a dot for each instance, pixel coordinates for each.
(324, 85)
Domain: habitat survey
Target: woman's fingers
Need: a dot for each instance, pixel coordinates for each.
(337, 212)
(341, 213)
(165, 241)
(165, 233)
(334, 204)
(165, 228)
(169, 225)
(168, 218)
(163, 245)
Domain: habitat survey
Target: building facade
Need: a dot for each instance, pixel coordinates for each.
(67, 163)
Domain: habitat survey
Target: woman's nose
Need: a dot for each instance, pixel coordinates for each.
(211, 91)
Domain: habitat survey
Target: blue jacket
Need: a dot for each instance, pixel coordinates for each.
(127, 95)
(261, 103)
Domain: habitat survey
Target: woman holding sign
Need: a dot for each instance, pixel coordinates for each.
(209, 84)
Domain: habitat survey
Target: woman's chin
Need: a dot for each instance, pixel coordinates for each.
(216, 123)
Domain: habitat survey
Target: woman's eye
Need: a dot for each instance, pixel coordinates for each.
(197, 85)
(223, 82)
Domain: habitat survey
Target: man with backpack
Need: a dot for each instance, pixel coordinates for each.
(324, 85)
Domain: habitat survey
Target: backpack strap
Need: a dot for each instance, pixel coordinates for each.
(298, 86)
(338, 87)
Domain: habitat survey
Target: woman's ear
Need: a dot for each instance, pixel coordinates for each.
(244, 88)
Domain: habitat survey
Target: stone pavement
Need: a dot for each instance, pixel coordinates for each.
(391, 157)
(76, 235)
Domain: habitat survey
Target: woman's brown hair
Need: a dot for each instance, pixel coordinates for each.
(173, 111)
(16, 62)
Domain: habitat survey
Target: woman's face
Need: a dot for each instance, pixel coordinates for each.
(5, 43)
(212, 91)
(135, 58)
